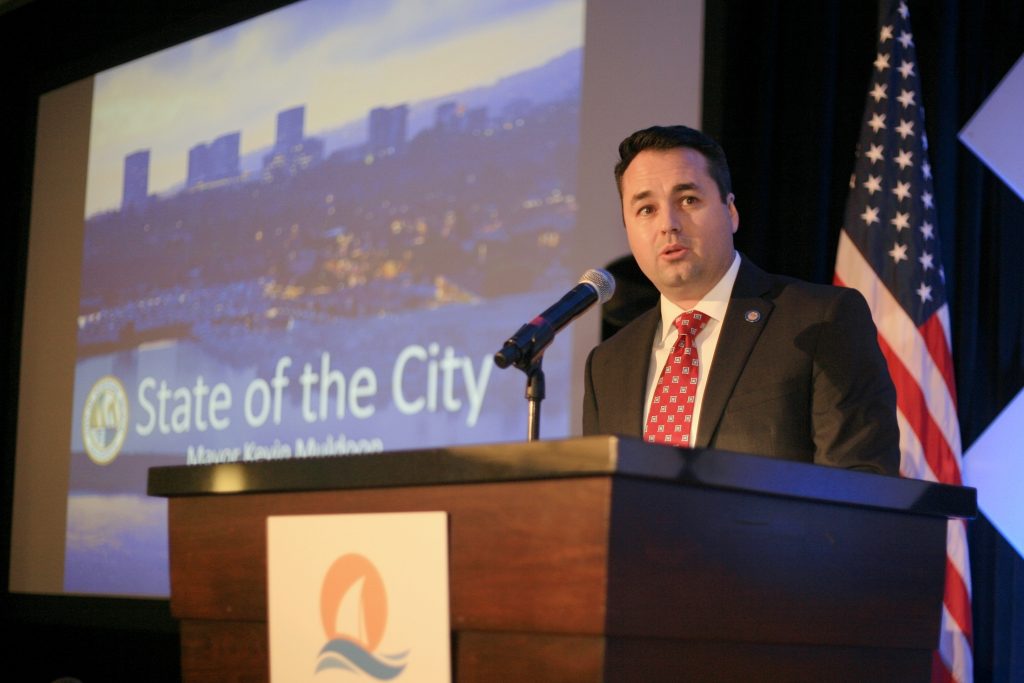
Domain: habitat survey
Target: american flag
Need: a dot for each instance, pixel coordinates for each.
(889, 250)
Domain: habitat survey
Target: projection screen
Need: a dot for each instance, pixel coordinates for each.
(306, 235)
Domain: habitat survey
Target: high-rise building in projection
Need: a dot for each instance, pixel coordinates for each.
(218, 160)
(387, 129)
(446, 117)
(224, 156)
(136, 180)
(476, 119)
(452, 117)
(197, 164)
(291, 124)
(292, 150)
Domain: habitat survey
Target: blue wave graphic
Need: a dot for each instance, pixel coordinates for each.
(341, 653)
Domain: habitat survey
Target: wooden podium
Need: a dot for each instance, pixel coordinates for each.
(597, 559)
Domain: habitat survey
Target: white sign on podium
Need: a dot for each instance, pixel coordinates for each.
(359, 597)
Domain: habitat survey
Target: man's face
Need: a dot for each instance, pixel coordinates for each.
(679, 230)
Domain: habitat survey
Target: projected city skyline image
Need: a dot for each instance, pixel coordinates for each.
(338, 61)
(301, 273)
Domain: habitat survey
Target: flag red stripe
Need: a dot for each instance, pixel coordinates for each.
(957, 601)
(934, 336)
(911, 401)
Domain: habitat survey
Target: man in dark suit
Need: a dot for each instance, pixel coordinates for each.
(780, 368)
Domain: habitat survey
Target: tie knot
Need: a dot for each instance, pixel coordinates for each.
(690, 323)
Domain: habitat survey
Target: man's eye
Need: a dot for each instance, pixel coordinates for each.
(645, 211)
(688, 200)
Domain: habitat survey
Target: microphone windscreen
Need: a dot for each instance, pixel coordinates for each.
(602, 281)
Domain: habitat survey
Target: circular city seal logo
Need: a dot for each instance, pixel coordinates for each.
(105, 420)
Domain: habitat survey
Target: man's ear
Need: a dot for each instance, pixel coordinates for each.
(734, 214)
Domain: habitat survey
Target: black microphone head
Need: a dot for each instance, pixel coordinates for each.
(602, 282)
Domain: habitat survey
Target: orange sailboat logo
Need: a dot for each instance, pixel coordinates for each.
(354, 614)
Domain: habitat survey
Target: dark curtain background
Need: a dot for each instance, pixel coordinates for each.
(784, 91)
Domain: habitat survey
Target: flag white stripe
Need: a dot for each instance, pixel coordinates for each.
(943, 314)
(899, 331)
(956, 549)
(913, 464)
(955, 649)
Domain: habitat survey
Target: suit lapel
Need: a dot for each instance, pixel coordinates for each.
(745, 318)
(630, 373)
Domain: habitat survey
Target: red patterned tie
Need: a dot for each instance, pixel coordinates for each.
(671, 411)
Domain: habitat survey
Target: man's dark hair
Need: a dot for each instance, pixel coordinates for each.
(664, 138)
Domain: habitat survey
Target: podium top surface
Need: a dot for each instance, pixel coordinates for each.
(568, 458)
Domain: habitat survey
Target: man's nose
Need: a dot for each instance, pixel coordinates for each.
(672, 222)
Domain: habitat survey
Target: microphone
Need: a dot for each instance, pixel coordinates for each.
(522, 348)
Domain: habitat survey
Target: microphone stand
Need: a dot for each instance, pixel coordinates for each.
(529, 361)
(534, 394)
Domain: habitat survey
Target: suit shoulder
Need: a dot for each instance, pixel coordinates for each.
(753, 281)
(785, 287)
(638, 331)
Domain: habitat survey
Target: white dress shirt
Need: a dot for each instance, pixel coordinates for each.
(713, 305)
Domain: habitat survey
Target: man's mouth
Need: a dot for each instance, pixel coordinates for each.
(671, 251)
